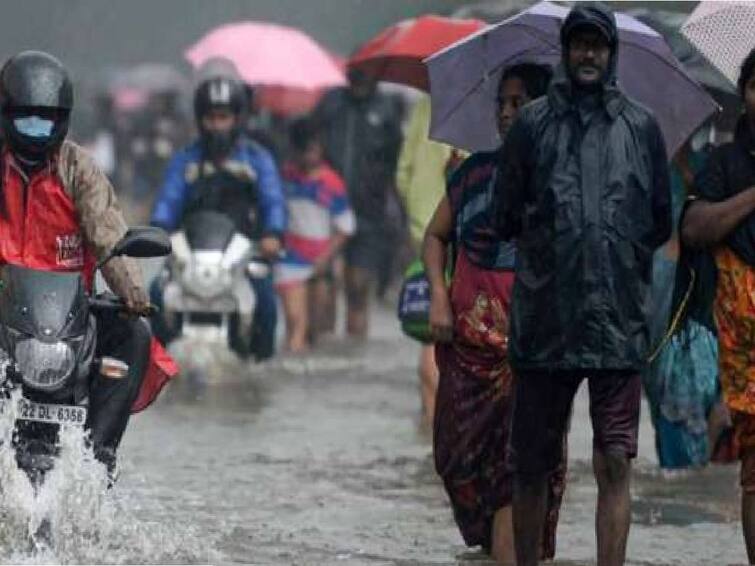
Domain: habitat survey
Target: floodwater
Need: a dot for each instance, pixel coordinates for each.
(320, 460)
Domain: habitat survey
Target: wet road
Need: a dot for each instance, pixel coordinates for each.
(320, 460)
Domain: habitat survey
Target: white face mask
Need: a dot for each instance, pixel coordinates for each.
(34, 126)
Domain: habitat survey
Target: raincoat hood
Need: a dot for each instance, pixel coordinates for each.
(599, 17)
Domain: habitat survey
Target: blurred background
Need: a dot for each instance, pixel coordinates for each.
(134, 125)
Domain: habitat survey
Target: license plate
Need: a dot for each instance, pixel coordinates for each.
(55, 414)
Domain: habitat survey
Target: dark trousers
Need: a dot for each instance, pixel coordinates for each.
(265, 319)
(110, 399)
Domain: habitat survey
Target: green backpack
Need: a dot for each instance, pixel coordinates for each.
(414, 303)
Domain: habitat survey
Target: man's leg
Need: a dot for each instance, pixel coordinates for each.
(748, 501)
(542, 403)
(528, 512)
(615, 413)
(613, 514)
(265, 318)
(357, 300)
(110, 400)
(361, 255)
(330, 304)
(744, 430)
(748, 524)
(329, 309)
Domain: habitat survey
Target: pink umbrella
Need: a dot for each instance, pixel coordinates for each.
(269, 54)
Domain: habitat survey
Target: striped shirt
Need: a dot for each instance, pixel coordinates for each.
(317, 208)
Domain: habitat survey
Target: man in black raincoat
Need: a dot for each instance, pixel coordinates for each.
(585, 192)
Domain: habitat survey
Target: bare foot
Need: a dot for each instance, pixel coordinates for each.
(296, 347)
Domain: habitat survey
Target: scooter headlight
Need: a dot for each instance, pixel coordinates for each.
(205, 276)
(44, 366)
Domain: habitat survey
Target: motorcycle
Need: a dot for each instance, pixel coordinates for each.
(206, 290)
(48, 337)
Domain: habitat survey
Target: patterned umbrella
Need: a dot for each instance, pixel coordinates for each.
(724, 32)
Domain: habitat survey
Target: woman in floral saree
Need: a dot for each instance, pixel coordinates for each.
(469, 322)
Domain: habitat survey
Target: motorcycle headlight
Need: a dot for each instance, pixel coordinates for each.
(44, 366)
(205, 276)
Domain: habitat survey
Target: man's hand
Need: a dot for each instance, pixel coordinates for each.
(270, 247)
(137, 301)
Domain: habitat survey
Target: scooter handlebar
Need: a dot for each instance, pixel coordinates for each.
(117, 305)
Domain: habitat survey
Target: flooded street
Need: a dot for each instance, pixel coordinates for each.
(570, 181)
(320, 460)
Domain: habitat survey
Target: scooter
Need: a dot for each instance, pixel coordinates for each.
(206, 288)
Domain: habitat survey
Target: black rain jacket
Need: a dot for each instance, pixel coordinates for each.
(584, 188)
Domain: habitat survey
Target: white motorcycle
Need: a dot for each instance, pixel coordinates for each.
(207, 292)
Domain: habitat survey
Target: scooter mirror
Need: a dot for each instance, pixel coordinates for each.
(144, 241)
(141, 241)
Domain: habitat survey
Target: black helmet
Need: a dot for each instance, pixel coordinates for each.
(219, 93)
(36, 98)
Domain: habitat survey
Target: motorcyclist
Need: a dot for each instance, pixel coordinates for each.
(226, 171)
(58, 212)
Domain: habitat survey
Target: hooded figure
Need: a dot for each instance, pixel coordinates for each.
(585, 191)
(587, 196)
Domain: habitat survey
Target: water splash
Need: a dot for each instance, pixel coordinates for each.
(209, 361)
(18, 516)
(85, 522)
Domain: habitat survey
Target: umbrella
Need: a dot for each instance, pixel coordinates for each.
(286, 102)
(269, 54)
(279, 100)
(491, 11)
(668, 24)
(397, 52)
(724, 32)
(464, 77)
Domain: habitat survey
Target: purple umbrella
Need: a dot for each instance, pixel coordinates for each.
(464, 77)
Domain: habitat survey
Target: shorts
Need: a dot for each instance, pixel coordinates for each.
(365, 248)
(542, 406)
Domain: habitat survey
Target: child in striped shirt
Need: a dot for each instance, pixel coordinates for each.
(320, 222)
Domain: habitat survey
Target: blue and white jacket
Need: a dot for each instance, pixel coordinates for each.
(249, 161)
